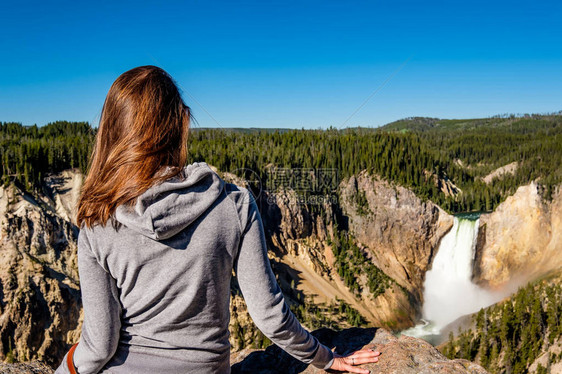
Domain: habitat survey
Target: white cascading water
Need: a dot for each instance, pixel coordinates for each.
(448, 289)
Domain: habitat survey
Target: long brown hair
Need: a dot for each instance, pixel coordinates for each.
(141, 141)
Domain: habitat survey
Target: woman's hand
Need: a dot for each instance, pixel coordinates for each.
(347, 363)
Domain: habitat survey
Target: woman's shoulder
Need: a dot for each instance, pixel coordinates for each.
(243, 201)
(235, 192)
(98, 228)
(98, 232)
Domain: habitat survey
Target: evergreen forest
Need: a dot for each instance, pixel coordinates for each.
(422, 154)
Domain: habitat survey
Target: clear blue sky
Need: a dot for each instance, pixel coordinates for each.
(286, 63)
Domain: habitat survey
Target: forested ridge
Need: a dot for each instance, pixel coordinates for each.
(482, 145)
(29, 153)
(509, 336)
(416, 153)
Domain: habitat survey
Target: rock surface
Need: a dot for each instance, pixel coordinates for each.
(404, 355)
(40, 309)
(521, 239)
(34, 367)
(501, 171)
(401, 231)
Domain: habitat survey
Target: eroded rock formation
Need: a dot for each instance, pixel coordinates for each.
(40, 306)
(401, 231)
(521, 239)
(398, 232)
(34, 367)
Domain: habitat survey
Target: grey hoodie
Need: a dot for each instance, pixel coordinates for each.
(156, 291)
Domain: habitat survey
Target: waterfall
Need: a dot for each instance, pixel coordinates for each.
(449, 292)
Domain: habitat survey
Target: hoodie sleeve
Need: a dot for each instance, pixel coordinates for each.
(102, 311)
(264, 298)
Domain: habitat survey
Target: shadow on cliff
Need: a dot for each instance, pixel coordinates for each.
(273, 360)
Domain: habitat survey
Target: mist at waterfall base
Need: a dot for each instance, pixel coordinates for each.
(449, 292)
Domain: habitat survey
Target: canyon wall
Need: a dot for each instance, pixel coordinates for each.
(40, 307)
(401, 231)
(397, 231)
(521, 240)
(302, 254)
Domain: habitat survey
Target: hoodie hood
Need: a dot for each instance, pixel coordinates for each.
(167, 208)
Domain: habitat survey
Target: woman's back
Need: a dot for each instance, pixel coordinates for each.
(174, 287)
(172, 259)
(166, 274)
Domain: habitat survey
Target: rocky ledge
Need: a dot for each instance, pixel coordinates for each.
(403, 355)
(34, 367)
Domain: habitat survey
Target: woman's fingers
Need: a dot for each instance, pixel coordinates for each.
(362, 358)
(340, 365)
(348, 363)
(365, 353)
(354, 369)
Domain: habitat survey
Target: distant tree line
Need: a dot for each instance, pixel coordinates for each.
(29, 153)
(482, 145)
(534, 143)
(415, 153)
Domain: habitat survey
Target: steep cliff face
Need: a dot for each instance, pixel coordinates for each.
(401, 232)
(40, 299)
(302, 256)
(395, 230)
(521, 239)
